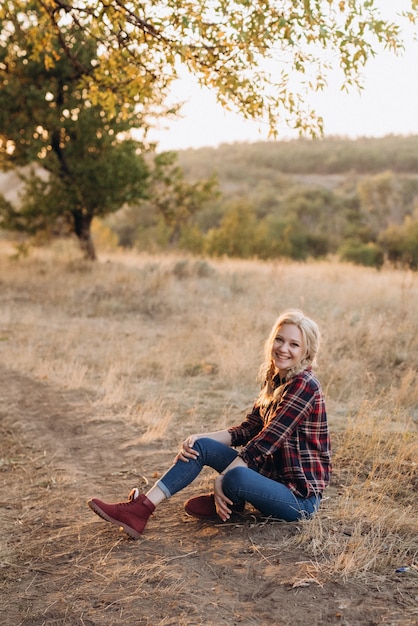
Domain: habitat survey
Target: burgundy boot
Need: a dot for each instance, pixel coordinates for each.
(132, 515)
(203, 507)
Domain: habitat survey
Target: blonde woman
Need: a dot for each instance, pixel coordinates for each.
(277, 459)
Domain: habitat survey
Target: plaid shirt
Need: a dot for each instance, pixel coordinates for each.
(290, 444)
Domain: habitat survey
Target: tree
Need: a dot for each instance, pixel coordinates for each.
(175, 199)
(261, 57)
(170, 205)
(90, 164)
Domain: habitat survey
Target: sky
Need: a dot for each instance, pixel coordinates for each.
(388, 104)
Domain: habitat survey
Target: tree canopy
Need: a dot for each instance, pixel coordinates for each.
(87, 165)
(85, 160)
(261, 57)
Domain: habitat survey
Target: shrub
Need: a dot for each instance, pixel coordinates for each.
(400, 243)
(369, 254)
(236, 236)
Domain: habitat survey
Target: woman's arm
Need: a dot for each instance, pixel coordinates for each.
(297, 405)
(223, 503)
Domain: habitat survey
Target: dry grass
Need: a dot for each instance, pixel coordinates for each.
(372, 524)
(169, 345)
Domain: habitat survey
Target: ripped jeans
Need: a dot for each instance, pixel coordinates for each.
(240, 484)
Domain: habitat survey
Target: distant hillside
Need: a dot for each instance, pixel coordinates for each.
(300, 199)
(310, 198)
(324, 157)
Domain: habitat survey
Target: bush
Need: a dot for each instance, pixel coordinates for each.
(237, 234)
(104, 237)
(368, 254)
(400, 243)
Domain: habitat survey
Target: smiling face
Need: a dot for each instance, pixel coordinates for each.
(288, 348)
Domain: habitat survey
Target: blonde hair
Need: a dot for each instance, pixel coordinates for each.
(311, 337)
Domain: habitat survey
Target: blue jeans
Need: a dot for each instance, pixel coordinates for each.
(240, 484)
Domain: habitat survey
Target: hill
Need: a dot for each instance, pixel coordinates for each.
(324, 157)
(298, 199)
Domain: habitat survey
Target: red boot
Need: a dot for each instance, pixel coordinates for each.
(203, 507)
(132, 515)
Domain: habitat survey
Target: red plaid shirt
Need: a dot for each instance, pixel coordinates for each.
(291, 443)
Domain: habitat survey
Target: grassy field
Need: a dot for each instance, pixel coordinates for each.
(106, 367)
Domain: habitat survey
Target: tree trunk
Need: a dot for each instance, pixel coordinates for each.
(82, 224)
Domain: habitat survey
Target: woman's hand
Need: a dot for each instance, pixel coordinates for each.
(222, 503)
(187, 451)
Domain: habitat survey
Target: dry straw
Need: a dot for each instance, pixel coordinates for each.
(372, 524)
(171, 345)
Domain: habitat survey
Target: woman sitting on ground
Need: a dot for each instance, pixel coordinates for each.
(283, 463)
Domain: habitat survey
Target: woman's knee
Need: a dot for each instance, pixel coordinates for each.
(201, 444)
(234, 479)
(204, 446)
(214, 454)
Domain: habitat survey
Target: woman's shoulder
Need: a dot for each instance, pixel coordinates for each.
(307, 378)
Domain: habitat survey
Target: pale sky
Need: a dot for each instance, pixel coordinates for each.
(388, 104)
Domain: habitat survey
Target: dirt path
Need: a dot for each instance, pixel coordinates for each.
(61, 565)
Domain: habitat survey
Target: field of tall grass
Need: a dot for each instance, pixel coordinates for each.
(172, 345)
